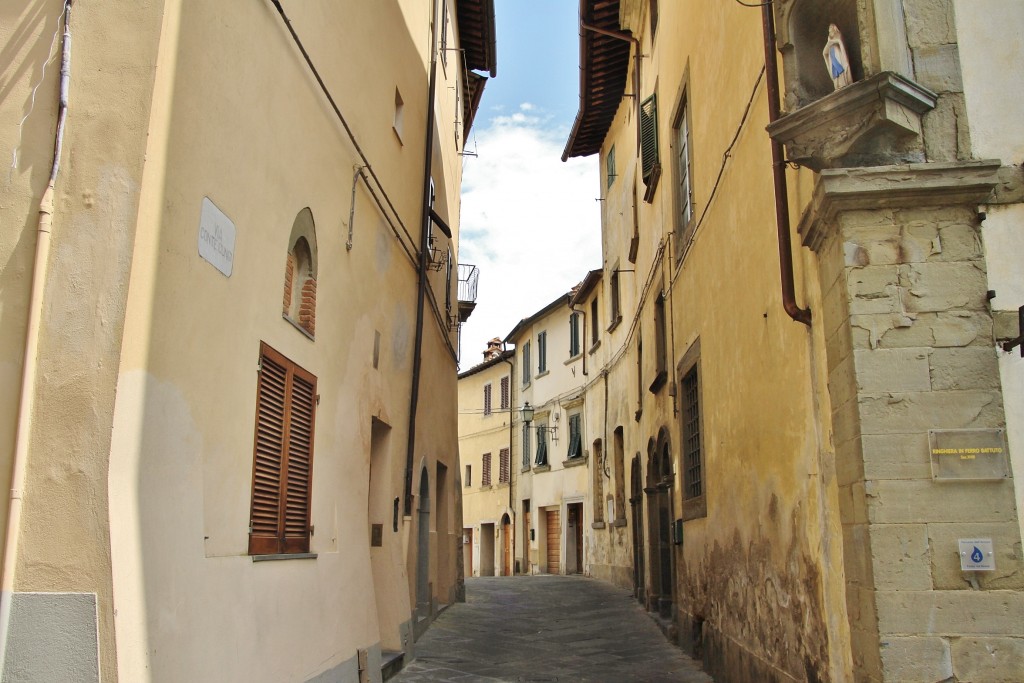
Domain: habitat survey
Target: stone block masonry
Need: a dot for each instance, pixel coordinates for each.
(911, 347)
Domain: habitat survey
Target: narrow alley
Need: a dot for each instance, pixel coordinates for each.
(547, 628)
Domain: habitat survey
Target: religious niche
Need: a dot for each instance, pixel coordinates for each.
(842, 111)
(812, 27)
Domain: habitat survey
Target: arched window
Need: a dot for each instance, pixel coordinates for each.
(299, 302)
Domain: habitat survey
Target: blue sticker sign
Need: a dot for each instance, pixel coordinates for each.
(976, 555)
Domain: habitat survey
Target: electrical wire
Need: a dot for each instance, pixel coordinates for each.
(50, 56)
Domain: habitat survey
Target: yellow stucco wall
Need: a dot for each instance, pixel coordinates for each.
(144, 436)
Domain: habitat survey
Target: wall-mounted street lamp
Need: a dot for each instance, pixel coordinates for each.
(527, 413)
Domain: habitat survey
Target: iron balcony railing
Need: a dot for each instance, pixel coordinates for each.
(469, 278)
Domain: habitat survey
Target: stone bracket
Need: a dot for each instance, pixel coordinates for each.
(868, 120)
(894, 187)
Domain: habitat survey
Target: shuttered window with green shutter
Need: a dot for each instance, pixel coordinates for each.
(649, 140)
(282, 456)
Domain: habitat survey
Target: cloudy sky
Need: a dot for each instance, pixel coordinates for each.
(530, 222)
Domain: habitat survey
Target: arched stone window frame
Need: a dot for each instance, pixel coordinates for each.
(300, 277)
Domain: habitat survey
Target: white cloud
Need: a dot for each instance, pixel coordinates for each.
(530, 222)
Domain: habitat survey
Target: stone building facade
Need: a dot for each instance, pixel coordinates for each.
(216, 317)
(805, 351)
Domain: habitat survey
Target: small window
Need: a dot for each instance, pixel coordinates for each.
(299, 301)
(526, 445)
(660, 344)
(610, 166)
(654, 17)
(503, 466)
(487, 399)
(469, 476)
(595, 322)
(504, 393)
(616, 311)
(597, 470)
(282, 477)
(694, 484)
(542, 352)
(575, 436)
(526, 364)
(683, 167)
(399, 122)
(542, 446)
(574, 335)
(485, 477)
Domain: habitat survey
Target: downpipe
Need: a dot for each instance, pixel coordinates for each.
(26, 404)
(801, 315)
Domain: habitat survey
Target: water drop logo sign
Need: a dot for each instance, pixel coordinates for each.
(977, 555)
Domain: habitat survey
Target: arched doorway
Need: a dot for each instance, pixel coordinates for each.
(423, 547)
(636, 499)
(506, 545)
(659, 509)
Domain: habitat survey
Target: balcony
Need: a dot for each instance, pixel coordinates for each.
(469, 278)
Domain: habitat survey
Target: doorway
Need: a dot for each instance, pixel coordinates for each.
(574, 538)
(506, 545)
(553, 540)
(467, 550)
(423, 548)
(487, 549)
(636, 507)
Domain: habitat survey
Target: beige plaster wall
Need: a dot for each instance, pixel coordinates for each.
(181, 462)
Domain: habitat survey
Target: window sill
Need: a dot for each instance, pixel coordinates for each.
(597, 525)
(299, 327)
(619, 522)
(659, 381)
(615, 323)
(525, 470)
(283, 556)
(595, 347)
(541, 374)
(573, 359)
(575, 462)
(398, 136)
(541, 468)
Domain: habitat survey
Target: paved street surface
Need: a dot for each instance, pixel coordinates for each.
(545, 629)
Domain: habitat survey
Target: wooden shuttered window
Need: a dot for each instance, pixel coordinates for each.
(282, 456)
(649, 140)
(503, 466)
(487, 399)
(485, 477)
(505, 392)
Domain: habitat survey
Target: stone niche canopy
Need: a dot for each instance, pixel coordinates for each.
(876, 120)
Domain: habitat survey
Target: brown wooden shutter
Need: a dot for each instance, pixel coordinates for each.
(503, 467)
(282, 456)
(302, 406)
(271, 407)
(649, 136)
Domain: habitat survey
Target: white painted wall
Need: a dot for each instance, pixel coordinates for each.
(992, 59)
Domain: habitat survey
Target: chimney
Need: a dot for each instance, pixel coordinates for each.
(493, 349)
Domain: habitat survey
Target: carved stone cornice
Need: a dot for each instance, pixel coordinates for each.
(894, 187)
(873, 122)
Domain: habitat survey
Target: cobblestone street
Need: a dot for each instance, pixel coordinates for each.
(546, 629)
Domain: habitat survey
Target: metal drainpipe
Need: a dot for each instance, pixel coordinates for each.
(802, 315)
(421, 293)
(26, 406)
(511, 434)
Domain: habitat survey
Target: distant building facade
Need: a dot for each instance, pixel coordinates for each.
(222, 319)
(805, 332)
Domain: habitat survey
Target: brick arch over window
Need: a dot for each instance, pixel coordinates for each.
(299, 300)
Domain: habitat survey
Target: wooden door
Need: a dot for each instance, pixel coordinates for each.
(554, 538)
(506, 568)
